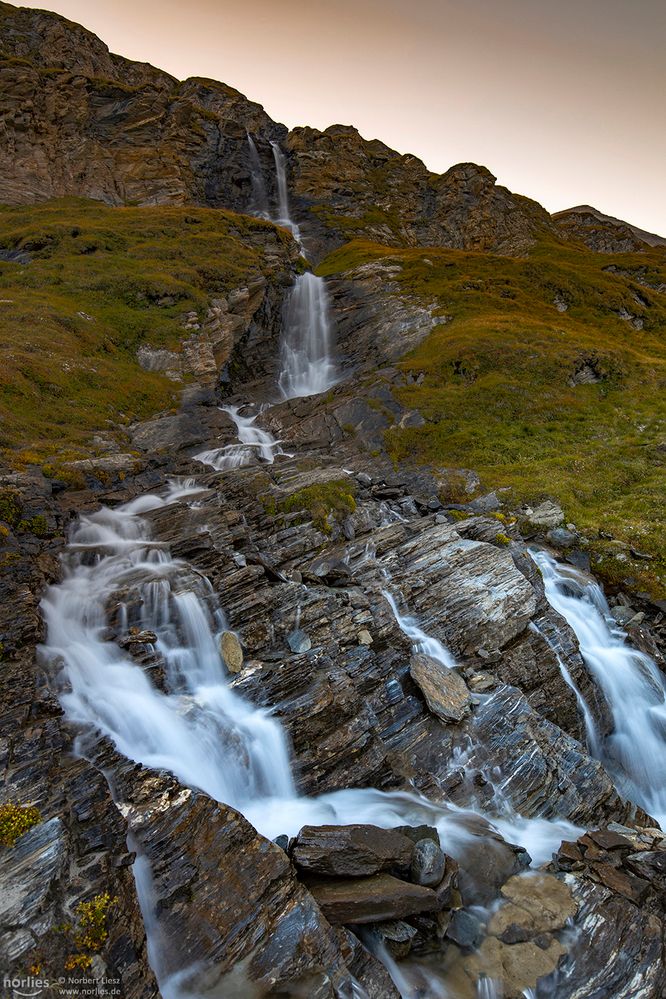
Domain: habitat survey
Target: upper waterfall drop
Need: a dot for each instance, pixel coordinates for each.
(259, 192)
(283, 193)
(635, 751)
(306, 366)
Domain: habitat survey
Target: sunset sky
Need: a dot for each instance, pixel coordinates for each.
(562, 99)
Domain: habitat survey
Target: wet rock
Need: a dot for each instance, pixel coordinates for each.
(445, 690)
(232, 651)
(615, 949)
(371, 900)
(397, 937)
(31, 871)
(547, 514)
(367, 970)
(417, 833)
(465, 929)
(487, 864)
(352, 851)
(548, 772)
(298, 641)
(428, 864)
(535, 904)
(248, 924)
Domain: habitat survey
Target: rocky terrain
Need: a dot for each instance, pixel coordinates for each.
(288, 705)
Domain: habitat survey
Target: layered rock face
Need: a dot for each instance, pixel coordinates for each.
(77, 120)
(351, 187)
(423, 696)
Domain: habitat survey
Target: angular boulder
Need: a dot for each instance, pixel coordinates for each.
(445, 690)
(352, 851)
(371, 900)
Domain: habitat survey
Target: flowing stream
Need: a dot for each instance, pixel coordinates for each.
(118, 578)
(635, 751)
(259, 193)
(306, 363)
(252, 441)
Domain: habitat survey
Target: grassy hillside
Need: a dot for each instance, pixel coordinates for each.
(88, 286)
(500, 392)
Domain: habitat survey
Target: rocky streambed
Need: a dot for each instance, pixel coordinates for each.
(298, 724)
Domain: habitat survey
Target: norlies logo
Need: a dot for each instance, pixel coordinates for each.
(30, 986)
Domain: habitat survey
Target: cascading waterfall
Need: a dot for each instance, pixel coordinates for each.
(305, 351)
(116, 577)
(253, 441)
(422, 642)
(635, 751)
(283, 191)
(259, 193)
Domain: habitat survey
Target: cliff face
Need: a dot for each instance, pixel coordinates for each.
(349, 187)
(77, 120)
(298, 537)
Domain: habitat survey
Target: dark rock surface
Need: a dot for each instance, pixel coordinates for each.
(371, 900)
(352, 851)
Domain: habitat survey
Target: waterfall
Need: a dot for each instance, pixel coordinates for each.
(197, 727)
(283, 191)
(422, 642)
(117, 578)
(259, 194)
(635, 751)
(306, 367)
(252, 441)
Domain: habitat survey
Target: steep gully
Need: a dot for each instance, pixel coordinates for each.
(197, 727)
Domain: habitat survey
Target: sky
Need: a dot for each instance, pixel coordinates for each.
(563, 100)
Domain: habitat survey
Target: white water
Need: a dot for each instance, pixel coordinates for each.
(283, 215)
(635, 751)
(306, 363)
(117, 578)
(253, 442)
(427, 644)
(259, 193)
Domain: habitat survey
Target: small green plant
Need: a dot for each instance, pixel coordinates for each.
(92, 916)
(502, 539)
(16, 820)
(321, 500)
(10, 507)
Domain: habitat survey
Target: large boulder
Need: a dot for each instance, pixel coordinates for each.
(445, 690)
(352, 851)
(371, 900)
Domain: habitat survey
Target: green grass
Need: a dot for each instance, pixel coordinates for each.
(135, 272)
(321, 500)
(496, 395)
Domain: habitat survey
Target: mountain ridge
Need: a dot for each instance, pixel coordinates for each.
(83, 122)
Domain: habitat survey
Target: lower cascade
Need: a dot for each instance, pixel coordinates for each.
(630, 681)
(119, 581)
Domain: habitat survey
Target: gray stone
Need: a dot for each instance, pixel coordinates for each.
(428, 864)
(465, 930)
(445, 690)
(561, 537)
(622, 615)
(298, 641)
(547, 514)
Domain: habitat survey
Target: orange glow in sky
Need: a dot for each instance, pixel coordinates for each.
(563, 100)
